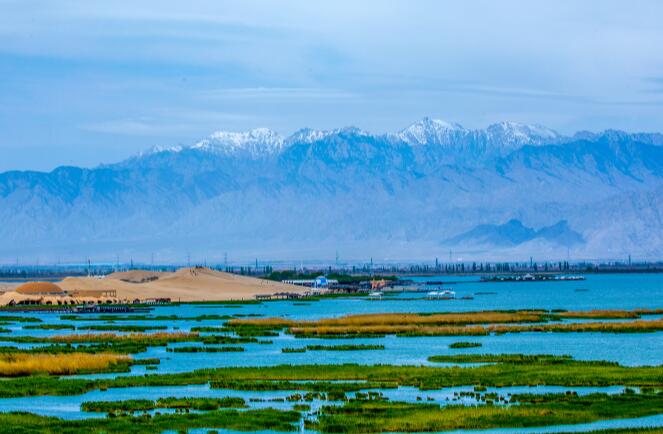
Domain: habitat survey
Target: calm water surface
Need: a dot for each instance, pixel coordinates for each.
(599, 291)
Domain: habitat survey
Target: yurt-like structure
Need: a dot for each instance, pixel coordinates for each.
(40, 288)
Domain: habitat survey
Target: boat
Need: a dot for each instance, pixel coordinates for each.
(376, 294)
(447, 294)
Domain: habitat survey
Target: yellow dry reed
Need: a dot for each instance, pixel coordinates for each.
(20, 364)
(112, 337)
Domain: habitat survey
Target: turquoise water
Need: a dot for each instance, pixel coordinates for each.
(599, 291)
(68, 407)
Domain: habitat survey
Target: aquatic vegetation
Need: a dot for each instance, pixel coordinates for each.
(343, 347)
(20, 364)
(245, 420)
(465, 345)
(201, 403)
(382, 330)
(138, 341)
(506, 358)
(335, 390)
(133, 405)
(113, 406)
(332, 348)
(636, 326)
(293, 350)
(242, 331)
(380, 416)
(205, 349)
(49, 327)
(17, 318)
(513, 370)
(402, 319)
(121, 328)
(111, 318)
(152, 339)
(454, 324)
(220, 339)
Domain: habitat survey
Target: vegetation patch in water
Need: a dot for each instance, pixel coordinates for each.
(205, 349)
(133, 405)
(17, 318)
(380, 416)
(455, 324)
(22, 364)
(346, 347)
(465, 345)
(111, 318)
(245, 420)
(49, 327)
(500, 371)
(121, 328)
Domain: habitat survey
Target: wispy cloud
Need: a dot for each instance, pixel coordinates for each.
(280, 93)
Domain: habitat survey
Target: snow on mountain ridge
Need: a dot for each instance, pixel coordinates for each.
(256, 142)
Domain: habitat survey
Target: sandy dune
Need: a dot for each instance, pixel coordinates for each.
(186, 284)
(137, 276)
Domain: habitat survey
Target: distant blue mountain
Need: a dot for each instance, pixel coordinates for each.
(513, 233)
(317, 192)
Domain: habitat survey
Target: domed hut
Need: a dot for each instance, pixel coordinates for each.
(40, 288)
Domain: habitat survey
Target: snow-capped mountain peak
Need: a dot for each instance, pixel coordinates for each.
(256, 142)
(429, 131)
(516, 133)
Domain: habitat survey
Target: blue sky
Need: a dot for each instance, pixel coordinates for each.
(84, 82)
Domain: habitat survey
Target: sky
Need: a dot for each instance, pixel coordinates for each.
(90, 82)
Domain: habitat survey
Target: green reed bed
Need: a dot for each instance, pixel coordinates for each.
(335, 390)
(49, 327)
(133, 405)
(117, 348)
(111, 318)
(205, 349)
(380, 416)
(245, 420)
(156, 339)
(332, 348)
(479, 323)
(17, 318)
(465, 345)
(239, 331)
(121, 328)
(510, 371)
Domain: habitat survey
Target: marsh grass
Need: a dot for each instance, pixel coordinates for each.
(379, 416)
(245, 420)
(205, 349)
(636, 326)
(21, 364)
(513, 370)
(453, 324)
(133, 405)
(49, 327)
(465, 345)
(111, 318)
(332, 348)
(122, 328)
(17, 318)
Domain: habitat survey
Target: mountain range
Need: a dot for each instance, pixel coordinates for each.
(431, 188)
